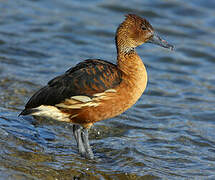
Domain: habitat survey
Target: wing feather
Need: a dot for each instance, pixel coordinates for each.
(85, 79)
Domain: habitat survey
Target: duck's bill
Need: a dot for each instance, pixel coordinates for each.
(155, 39)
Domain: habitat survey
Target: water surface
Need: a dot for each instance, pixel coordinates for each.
(168, 134)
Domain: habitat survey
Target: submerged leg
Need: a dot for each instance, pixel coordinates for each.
(89, 152)
(78, 137)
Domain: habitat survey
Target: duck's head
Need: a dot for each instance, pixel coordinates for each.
(134, 31)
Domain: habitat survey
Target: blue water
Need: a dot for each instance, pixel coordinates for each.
(168, 134)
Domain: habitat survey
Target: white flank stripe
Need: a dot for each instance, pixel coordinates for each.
(111, 90)
(52, 112)
(82, 98)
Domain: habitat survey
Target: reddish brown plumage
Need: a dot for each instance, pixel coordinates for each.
(76, 93)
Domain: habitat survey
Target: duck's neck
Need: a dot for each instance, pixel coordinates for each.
(134, 73)
(129, 62)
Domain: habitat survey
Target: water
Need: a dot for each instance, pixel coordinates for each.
(168, 134)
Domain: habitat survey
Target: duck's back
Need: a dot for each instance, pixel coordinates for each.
(85, 79)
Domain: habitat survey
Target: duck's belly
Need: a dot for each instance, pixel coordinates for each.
(109, 104)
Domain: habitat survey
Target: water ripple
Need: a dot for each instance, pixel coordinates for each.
(168, 134)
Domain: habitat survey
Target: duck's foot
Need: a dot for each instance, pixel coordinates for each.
(89, 152)
(81, 137)
(77, 134)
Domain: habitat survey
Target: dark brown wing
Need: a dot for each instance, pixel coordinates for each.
(86, 78)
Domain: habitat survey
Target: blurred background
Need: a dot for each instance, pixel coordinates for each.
(168, 134)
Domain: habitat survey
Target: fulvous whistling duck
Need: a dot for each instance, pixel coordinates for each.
(95, 89)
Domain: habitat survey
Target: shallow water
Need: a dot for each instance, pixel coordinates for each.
(168, 134)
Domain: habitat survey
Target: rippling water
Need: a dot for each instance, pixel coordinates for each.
(168, 134)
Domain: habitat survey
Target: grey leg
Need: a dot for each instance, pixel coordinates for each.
(77, 134)
(89, 152)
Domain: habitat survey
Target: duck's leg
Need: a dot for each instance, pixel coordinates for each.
(85, 136)
(78, 137)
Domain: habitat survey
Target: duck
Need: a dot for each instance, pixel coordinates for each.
(96, 89)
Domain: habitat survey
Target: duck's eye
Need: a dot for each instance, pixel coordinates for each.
(143, 28)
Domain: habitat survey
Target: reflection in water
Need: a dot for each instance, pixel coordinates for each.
(168, 134)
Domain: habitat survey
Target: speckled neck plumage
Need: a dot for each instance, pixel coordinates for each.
(132, 67)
